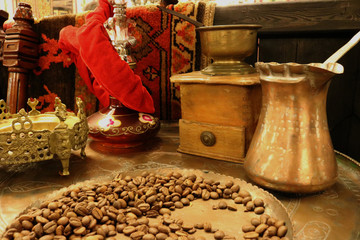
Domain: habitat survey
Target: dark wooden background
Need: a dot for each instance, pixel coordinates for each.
(306, 32)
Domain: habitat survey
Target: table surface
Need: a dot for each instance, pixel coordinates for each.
(332, 214)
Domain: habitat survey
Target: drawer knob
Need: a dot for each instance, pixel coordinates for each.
(208, 138)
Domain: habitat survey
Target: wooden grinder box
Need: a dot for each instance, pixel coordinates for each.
(219, 114)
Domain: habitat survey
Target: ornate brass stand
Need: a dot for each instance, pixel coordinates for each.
(33, 137)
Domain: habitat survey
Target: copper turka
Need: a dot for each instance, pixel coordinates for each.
(28, 137)
(291, 149)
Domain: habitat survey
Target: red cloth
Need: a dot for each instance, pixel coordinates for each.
(98, 63)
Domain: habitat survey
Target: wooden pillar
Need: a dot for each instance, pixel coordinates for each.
(3, 17)
(20, 55)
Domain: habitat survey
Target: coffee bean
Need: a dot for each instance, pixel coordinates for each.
(243, 193)
(50, 227)
(128, 230)
(251, 235)
(26, 224)
(16, 224)
(207, 227)
(161, 236)
(235, 188)
(178, 189)
(174, 227)
(59, 230)
(46, 213)
(178, 204)
(238, 200)
(38, 229)
(214, 195)
(232, 207)
(41, 220)
(246, 200)
(181, 233)
(271, 221)
(151, 199)
(229, 183)
(68, 230)
(144, 207)
(97, 213)
(59, 237)
(54, 216)
(199, 225)
(85, 221)
(190, 197)
(175, 198)
(261, 228)
(255, 221)
(71, 214)
(53, 205)
(80, 231)
(205, 195)
(187, 227)
(148, 236)
(222, 205)
(163, 211)
(218, 235)
(248, 228)
(137, 235)
(92, 224)
(279, 223)
(229, 237)
(264, 218)
(75, 222)
(258, 202)
(153, 230)
(227, 191)
(259, 210)
(47, 237)
(282, 230)
(152, 213)
(143, 221)
(271, 231)
(163, 229)
(249, 206)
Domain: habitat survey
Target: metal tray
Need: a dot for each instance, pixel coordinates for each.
(201, 211)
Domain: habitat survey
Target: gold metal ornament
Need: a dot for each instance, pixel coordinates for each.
(34, 136)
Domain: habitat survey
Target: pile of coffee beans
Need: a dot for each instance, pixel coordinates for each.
(129, 206)
(266, 227)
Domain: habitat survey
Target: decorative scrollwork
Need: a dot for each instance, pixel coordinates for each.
(22, 124)
(33, 103)
(137, 130)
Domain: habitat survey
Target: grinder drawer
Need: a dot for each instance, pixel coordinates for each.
(212, 140)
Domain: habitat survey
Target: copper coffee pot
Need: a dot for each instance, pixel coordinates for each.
(291, 149)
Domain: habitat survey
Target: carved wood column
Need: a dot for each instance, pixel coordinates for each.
(3, 17)
(20, 55)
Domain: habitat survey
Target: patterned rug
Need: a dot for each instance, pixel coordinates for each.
(166, 45)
